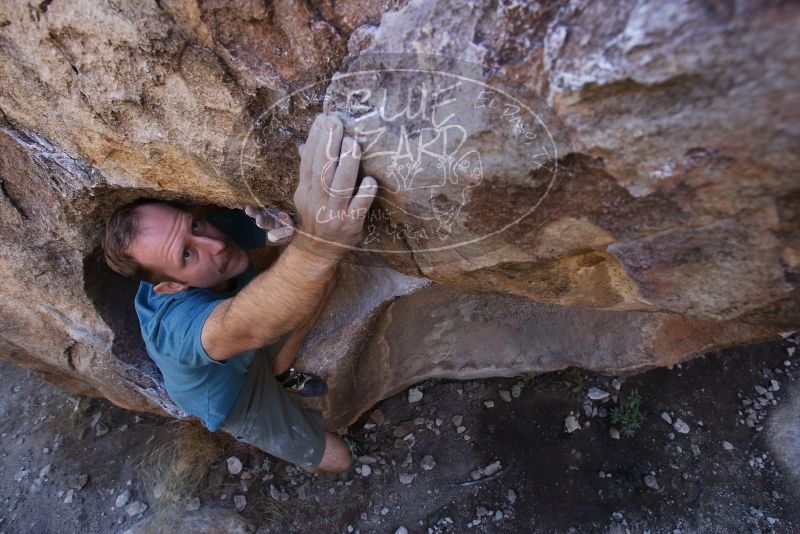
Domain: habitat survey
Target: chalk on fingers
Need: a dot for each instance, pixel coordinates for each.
(280, 234)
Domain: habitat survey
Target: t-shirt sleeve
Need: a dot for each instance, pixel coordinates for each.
(181, 326)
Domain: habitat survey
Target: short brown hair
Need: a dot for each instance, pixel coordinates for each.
(121, 230)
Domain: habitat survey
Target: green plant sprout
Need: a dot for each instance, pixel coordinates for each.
(628, 414)
(575, 380)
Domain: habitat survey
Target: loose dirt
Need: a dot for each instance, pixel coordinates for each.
(482, 456)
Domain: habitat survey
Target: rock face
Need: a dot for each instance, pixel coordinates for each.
(783, 435)
(612, 185)
(442, 332)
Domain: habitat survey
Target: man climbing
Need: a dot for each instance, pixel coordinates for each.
(219, 331)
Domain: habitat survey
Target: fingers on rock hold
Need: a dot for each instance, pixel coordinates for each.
(369, 186)
(365, 195)
(267, 222)
(285, 219)
(280, 234)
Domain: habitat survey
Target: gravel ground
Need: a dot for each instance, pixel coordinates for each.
(530, 454)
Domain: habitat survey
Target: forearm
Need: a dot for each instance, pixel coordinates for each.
(278, 300)
(281, 298)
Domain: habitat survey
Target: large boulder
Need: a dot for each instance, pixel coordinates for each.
(445, 332)
(611, 185)
(783, 434)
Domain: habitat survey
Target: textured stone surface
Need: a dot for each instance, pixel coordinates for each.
(783, 434)
(678, 112)
(673, 225)
(442, 332)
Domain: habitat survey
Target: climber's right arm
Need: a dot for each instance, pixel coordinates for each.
(281, 298)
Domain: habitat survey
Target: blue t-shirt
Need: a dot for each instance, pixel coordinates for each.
(171, 326)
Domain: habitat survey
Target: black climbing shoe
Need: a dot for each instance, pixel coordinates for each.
(303, 384)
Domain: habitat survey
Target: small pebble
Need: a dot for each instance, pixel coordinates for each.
(492, 468)
(505, 395)
(597, 394)
(414, 395)
(680, 426)
(651, 482)
(123, 498)
(571, 424)
(77, 482)
(727, 446)
(275, 493)
(427, 462)
(135, 508)
(234, 465)
(407, 478)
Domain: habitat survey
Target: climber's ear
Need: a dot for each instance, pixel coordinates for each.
(169, 288)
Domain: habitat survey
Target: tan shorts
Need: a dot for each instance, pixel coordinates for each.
(266, 417)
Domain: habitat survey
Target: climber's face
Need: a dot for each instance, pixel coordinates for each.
(189, 251)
